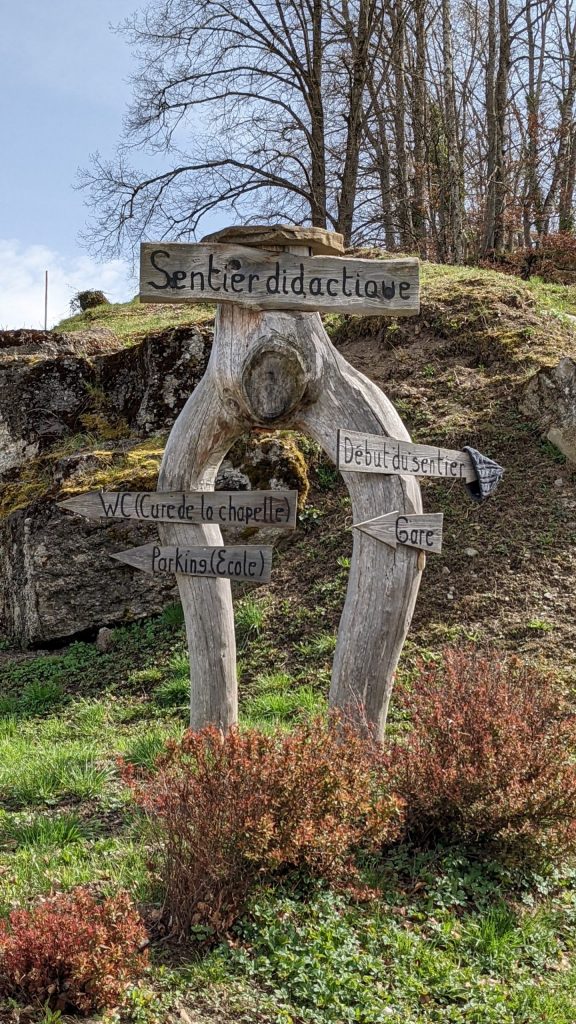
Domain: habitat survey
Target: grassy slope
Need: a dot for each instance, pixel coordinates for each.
(131, 321)
(451, 939)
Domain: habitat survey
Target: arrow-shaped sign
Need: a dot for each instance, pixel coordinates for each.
(415, 531)
(238, 508)
(375, 453)
(251, 563)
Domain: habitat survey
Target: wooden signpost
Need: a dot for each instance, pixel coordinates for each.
(373, 453)
(273, 366)
(236, 508)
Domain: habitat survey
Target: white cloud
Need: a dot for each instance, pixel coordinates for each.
(22, 270)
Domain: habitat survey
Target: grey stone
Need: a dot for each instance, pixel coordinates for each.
(105, 639)
(148, 384)
(550, 400)
(41, 400)
(57, 578)
(48, 382)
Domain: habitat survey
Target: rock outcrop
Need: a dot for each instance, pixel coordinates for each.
(55, 385)
(80, 412)
(58, 579)
(550, 400)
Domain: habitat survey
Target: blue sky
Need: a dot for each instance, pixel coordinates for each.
(63, 95)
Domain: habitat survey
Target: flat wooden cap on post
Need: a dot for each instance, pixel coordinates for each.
(282, 236)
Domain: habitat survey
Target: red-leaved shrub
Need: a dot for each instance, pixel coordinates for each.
(554, 260)
(231, 810)
(489, 758)
(72, 951)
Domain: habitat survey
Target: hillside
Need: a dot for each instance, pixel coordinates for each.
(453, 938)
(457, 374)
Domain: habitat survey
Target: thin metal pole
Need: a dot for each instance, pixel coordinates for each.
(46, 300)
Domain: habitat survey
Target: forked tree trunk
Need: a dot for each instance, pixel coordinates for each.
(280, 370)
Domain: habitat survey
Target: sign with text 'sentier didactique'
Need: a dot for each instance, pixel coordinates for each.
(260, 279)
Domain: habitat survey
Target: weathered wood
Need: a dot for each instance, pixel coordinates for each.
(274, 281)
(250, 563)
(318, 241)
(374, 453)
(424, 532)
(239, 508)
(383, 583)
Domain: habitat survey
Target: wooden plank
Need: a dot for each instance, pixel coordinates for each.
(375, 453)
(252, 563)
(319, 241)
(414, 531)
(237, 508)
(177, 272)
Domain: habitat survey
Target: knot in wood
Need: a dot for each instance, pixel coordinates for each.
(274, 380)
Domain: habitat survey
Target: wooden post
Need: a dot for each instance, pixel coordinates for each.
(278, 369)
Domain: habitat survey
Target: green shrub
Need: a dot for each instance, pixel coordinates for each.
(88, 299)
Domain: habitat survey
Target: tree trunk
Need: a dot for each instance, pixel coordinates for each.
(419, 132)
(454, 191)
(359, 46)
(318, 202)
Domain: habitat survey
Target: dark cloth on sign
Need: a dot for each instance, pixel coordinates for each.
(488, 475)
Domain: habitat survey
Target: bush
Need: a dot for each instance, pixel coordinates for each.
(88, 299)
(232, 810)
(72, 951)
(554, 260)
(489, 758)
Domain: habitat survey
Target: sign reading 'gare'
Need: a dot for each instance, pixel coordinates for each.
(270, 280)
(414, 531)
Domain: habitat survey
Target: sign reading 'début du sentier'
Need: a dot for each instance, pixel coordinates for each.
(375, 453)
(212, 272)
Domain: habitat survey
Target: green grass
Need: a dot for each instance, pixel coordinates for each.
(131, 321)
(282, 706)
(560, 298)
(320, 645)
(446, 938)
(249, 618)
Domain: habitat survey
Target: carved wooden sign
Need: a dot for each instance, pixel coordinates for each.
(236, 508)
(414, 531)
(375, 453)
(251, 563)
(212, 272)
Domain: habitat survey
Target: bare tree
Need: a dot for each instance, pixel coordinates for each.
(447, 129)
(249, 101)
